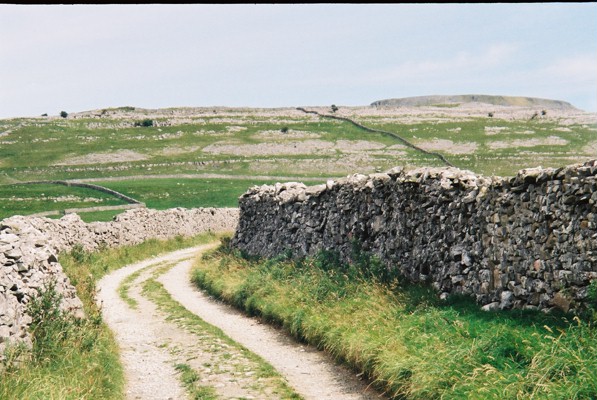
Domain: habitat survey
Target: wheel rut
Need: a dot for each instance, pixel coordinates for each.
(164, 326)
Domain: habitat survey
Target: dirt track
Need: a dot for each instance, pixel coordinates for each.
(151, 346)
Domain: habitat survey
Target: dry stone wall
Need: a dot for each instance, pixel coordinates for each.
(29, 248)
(529, 241)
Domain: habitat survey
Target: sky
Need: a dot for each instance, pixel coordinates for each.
(84, 57)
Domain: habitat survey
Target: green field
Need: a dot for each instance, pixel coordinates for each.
(30, 199)
(228, 150)
(189, 193)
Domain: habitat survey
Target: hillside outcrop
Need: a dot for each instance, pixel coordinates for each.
(517, 101)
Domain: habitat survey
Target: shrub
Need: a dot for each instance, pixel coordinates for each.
(334, 108)
(79, 253)
(284, 129)
(63, 114)
(50, 326)
(145, 123)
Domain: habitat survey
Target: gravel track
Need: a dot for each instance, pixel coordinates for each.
(150, 346)
(149, 372)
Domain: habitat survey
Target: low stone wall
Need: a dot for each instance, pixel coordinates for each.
(529, 241)
(102, 189)
(29, 247)
(87, 209)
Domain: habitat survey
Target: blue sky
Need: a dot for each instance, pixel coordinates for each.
(83, 57)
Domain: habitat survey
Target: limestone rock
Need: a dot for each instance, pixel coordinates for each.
(508, 242)
(29, 248)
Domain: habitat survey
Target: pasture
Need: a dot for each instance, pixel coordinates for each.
(201, 157)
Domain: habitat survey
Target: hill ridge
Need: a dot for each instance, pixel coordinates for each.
(431, 100)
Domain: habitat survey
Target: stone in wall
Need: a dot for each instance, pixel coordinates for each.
(27, 263)
(529, 241)
(29, 248)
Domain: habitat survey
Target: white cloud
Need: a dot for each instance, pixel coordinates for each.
(464, 62)
(578, 69)
(459, 67)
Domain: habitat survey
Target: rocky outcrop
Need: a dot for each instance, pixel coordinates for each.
(516, 101)
(529, 241)
(29, 248)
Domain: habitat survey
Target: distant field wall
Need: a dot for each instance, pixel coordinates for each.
(529, 241)
(102, 189)
(87, 209)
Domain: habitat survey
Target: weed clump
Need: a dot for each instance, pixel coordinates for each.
(50, 326)
(146, 123)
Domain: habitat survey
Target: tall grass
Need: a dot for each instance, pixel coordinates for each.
(70, 358)
(409, 343)
(76, 358)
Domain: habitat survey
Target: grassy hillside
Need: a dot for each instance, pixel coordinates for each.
(208, 156)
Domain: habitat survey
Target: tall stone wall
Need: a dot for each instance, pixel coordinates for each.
(29, 248)
(529, 241)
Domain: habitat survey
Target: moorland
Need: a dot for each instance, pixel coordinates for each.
(198, 157)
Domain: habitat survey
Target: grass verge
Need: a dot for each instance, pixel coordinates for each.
(71, 358)
(410, 344)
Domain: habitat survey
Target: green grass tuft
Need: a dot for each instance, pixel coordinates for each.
(189, 378)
